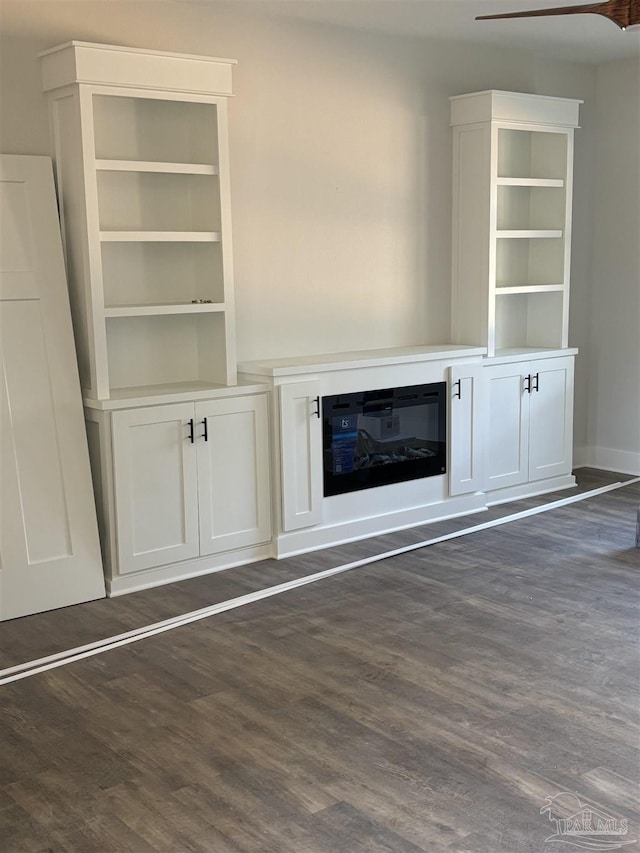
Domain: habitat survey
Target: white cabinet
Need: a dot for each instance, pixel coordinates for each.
(512, 189)
(156, 486)
(142, 162)
(530, 421)
(179, 457)
(300, 454)
(188, 481)
(467, 410)
(232, 441)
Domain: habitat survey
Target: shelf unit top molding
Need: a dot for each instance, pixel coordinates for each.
(112, 65)
(496, 105)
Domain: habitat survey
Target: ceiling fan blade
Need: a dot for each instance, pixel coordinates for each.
(624, 13)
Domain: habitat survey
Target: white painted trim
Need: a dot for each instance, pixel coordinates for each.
(149, 578)
(610, 459)
(530, 490)
(302, 541)
(25, 670)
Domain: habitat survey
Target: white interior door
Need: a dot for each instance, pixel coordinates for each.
(49, 549)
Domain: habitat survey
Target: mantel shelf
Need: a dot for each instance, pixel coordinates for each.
(163, 308)
(160, 236)
(152, 166)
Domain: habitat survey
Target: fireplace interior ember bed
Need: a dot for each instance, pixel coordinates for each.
(374, 438)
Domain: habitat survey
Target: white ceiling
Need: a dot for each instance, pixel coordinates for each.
(578, 38)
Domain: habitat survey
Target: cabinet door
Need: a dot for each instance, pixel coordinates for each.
(49, 549)
(466, 428)
(508, 427)
(233, 473)
(301, 454)
(155, 484)
(551, 417)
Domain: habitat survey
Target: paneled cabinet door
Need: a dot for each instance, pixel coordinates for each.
(466, 428)
(507, 444)
(156, 488)
(233, 473)
(301, 454)
(551, 417)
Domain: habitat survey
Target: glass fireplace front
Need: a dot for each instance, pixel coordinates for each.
(374, 438)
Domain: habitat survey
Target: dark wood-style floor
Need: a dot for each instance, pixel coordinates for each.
(427, 702)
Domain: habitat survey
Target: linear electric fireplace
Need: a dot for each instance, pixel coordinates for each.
(374, 438)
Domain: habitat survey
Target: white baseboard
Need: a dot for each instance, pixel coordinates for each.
(608, 459)
(313, 538)
(530, 490)
(136, 581)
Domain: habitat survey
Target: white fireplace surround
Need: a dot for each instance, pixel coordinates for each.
(297, 475)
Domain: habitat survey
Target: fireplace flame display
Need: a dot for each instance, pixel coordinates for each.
(376, 438)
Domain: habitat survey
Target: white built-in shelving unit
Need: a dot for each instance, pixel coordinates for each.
(513, 167)
(141, 151)
(511, 261)
(178, 448)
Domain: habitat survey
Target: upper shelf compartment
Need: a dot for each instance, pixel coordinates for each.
(534, 157)
(155, 130)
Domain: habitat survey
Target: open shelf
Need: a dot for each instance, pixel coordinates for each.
(533, 261)
(532, 154)
(167, 308)
(160, 236)
(530, 182)
(529, 320)
(161, 273)
(529, 234)
(509, 289)
(152, 166)
(160, 350)
(157, 201)
(154, 129)
(530, 208)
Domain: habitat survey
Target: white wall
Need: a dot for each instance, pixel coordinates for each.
(613, 358)
(341, 164)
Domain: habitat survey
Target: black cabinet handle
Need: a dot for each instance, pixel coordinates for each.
(205, 434)
(191, 435)
(527, 384)
(316, 400)
(458, 393)
(537, 378)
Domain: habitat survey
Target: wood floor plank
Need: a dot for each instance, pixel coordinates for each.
(426, 703)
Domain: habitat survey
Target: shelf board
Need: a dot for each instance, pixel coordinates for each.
(171, 388)
(152, 166)
(525, 353)
(506, 290)
(530, 182)
(160, 236)
(529, 234)
(174, 392)
(163, 308)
